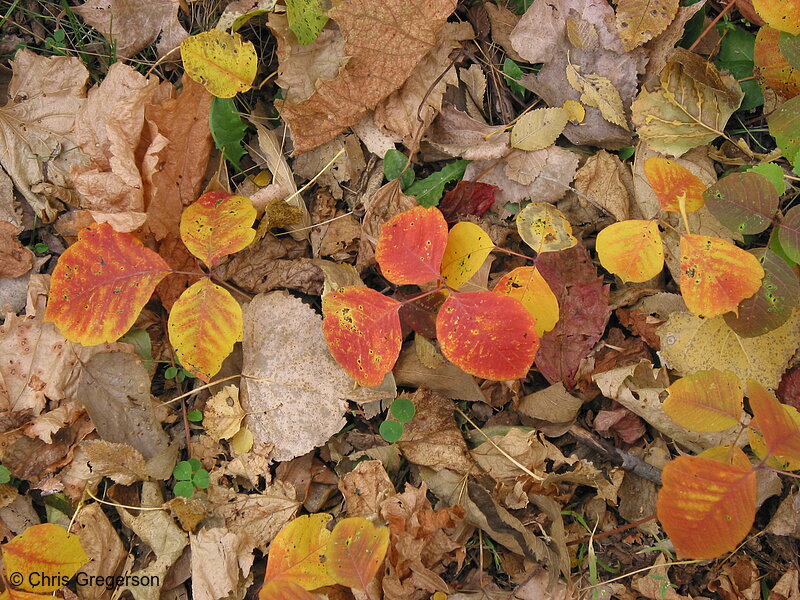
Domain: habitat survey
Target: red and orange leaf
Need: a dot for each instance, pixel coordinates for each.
(771, 67)
(632, 250)
(488, 335)
(716, 275)
(280, 589)
(356, 550)
(671, 182)
(411, 246)
(781, 14)
(204, 325)
(297, 553)
(12, 594)
(217, 225)
(759, 446)
(528, 286)
(780, 430)
(467, 248)
(46, 551)
(362, 328)
(100, 285)
(705, 401)
(707, 506)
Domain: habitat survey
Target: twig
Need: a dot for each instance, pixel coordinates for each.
(621, 458)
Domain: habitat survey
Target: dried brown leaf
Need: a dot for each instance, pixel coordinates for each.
(639, 21)
(605, 180)
(15, 259)
(458, 134)
(119, 462)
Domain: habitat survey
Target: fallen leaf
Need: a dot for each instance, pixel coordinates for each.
(294, 391)
(119, 462)
(102, 545)
(15, 259)
(539, 128)
(446, 379)
(344, 168)
(780, 16)
(632, 250)
(607, 182)
(221, 563)
(45, 94)
(639, 21)
(365, 488)
(387, 202)
(528, 286)
(375, 34)
(217, 225)
(306, 19)
(690, 108)
(355, 552)
(675, 186)
(705, 401)
(771, 67)
(221, 62)
(598, 91)
(458, 134)
(544, 228)
(690, 344)
(660, 47)
(222, 417)
(467, 198)
(132, 27)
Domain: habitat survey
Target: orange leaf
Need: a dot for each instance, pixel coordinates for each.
(279, 589)
(528, 286)
(297, 554)
(771, 67)
(204, 324)
(705, 401)
(362, 328)
(716, 275)
(12, 594)
(467, 248)
(488, 335)
(217, 225)
(46, 556)
(671, 181)
(632, 250)
(707, 506)
(411, 246)
(100, 285)
(781, 432)
(356, 550)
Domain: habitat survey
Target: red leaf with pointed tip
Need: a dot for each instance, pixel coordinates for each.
(100, 285)
(411, 246)
(468, 198)
(707, 506)
(781, 432)
(362, 329)
(488, 335)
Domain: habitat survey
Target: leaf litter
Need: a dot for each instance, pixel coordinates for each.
(565, 132)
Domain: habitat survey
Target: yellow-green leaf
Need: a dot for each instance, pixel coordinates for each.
(528, 286)
(705, 401)
(204, 324)
(306, 19)
(631, 249)
(539, 129)
(468, 245)
(221, 62)
(545, 228)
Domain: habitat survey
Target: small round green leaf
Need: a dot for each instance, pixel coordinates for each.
(194, 464)
(183, 471)
(403, 410)
(170, 372)
(201, 479)
(391, 431)
(195, 416)
(5, 474)
(184, 489)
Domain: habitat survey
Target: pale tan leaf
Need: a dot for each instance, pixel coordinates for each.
(539, 128)
(639, 21)
(607, 181)
(458, 134)
(119, 462)
(222, 417)
(599, 92)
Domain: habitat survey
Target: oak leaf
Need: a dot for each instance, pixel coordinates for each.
(385, 41)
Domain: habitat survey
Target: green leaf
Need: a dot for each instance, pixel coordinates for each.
(5, 474)
(784, 126)
(170, 372)
(513, 74)
(789, 46)
(520, 6)
(429, 190)
(201, 479)
(227, 129)
(195, 416)
(391, 431)
(772, 172)
(694, 26)
(306, 19)
(736, 55)
(142, 345)
(194, 464)
(183, 471)
(626, 152)
(403, 410)
(393, 163)
(184, 489)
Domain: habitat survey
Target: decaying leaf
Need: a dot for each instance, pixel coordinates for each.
(607, 181)
(599, 92)
(639, 21)
(545, 228)
(223, 414)
(221, 62)
(690, 108)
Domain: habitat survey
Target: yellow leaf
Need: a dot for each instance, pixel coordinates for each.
(631, 249)
(705, 401)
(539, 128)
(599, 92)
(467, 247)
(221, 62)
(781, 15)
(545, 228)
(528, 286)
(575, 109)
(217, 225)
(297, 553)
(639, 21)
(203, 326)
(242, 442)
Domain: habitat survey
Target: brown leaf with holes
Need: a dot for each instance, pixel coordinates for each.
(385, 41)
(639, 21)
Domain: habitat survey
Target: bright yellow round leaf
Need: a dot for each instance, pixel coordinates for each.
(204, 324)
(705, 401)
(219, 61)
(467, 248)
(545, 228)
(631, 249)
(781, 15)
(528, 286)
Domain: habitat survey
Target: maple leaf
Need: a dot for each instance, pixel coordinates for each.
(385, 40)
(690, 108)
(133, 25)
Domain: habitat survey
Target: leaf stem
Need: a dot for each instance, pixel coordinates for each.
(713, 22)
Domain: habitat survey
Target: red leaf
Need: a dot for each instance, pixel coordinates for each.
(488, 335)
(100, 285)
(707, 506)
(362, 328)
(780, 431)
(468, 198)
(583, 303)
(411, 246)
